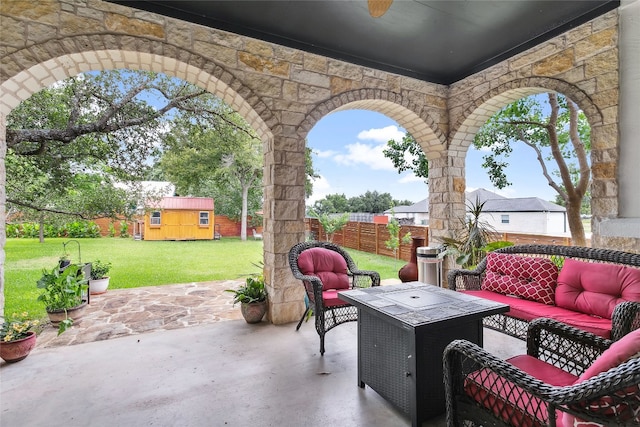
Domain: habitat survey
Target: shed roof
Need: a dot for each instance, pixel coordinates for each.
(187, 203)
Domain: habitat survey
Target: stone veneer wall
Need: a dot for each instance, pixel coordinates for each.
(283, 92)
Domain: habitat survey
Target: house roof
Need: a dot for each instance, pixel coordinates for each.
(525, 204)
(433, 40)
(187, 203)
(492, 203)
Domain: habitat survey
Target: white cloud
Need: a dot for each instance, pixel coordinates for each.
(321, 188)
(369, 155)
(382, 134)
(324, 153)
(410, 178)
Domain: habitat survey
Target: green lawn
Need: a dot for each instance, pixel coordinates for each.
(143, 263)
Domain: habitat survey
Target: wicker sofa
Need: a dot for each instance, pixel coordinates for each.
(568, 378)
(596, 290)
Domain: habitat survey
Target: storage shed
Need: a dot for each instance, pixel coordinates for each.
(180, 218)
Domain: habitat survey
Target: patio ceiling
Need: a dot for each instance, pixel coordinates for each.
(436, 41)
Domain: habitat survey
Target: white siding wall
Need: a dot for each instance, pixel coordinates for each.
(528, 222)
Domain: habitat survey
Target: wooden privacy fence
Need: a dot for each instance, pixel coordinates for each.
(370, 237)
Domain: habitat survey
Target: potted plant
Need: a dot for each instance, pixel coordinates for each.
(64, 295)
(99, 281)
(17, 337)
(252, 297)
(64, 261)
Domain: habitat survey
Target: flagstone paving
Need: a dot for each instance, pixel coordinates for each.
(122, 312)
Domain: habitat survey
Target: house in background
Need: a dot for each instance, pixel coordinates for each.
(515, 215)
(180, 218)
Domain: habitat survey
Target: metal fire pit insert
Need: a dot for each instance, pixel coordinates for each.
(416, 298)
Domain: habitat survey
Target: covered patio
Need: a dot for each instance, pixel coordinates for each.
(220, 372)
(231, 373)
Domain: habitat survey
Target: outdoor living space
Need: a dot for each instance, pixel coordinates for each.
(195, 370)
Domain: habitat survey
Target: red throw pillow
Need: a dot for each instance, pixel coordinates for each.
(527, 277)
(596, 288)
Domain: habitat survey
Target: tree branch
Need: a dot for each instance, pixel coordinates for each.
(41, 209)
(540, 159)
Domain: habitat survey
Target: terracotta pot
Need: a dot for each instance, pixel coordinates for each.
(75, 313)
(98, 286)
(15, 351)
(253, 312)
(409, 272)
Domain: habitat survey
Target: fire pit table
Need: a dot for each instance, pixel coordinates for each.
(402, 332)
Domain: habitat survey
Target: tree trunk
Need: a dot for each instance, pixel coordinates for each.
(575, 222)
(41, 231)
(243, 217)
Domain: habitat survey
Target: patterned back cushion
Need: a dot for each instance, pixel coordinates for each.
(596, 288)
(527, 277)
(329, 266)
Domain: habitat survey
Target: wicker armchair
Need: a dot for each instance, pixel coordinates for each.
(544, 388)
(342, 273)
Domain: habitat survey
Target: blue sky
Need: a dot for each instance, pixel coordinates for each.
(348, 155)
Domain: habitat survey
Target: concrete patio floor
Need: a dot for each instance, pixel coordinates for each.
(222, 372)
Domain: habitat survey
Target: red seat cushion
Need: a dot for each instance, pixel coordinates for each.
(330, 298)
(529, 310)
(596, 288)
(527, 277)
(509, 402)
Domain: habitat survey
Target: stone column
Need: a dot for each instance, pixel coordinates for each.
(3, 204)
(446, 199)
(284, 174)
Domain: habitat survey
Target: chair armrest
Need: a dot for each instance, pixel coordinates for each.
(625, 318)
(365, 278)
(465, 280)
(566, 347)
(585, 399)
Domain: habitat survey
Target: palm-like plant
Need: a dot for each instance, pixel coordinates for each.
(469, 246)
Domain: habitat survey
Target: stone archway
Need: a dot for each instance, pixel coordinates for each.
(490, 102)
(39, 76)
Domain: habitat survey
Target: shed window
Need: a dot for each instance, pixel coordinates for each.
(505, 219)
(204, 219)
(155, 218)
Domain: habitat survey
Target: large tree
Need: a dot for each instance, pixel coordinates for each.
(556, 130)
(556, 126)
(111, 124)
(107, 123)
(223, 160)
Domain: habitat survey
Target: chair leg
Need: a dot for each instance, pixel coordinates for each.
(322, 345)
(302, 318)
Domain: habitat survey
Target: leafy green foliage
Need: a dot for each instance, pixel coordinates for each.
(252, 291)
(74, 229)
(393, 243)
(222, 161)
(62, 290)
(407, 155)
(331, 223)
(467, 246)
(99, 269)
(371, 201)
